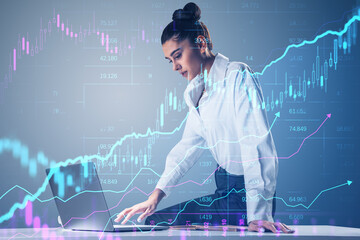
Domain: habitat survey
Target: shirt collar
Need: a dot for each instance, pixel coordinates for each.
(196, 86)
(217, 71)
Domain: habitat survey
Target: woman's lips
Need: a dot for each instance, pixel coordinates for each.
(184, 74)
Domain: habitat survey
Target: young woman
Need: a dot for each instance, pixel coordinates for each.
(226, 116)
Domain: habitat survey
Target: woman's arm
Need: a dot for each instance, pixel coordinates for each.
(258, 153)
(157, 195)
(180, 159)
(183, 155)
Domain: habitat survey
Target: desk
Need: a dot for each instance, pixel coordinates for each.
(301, 232)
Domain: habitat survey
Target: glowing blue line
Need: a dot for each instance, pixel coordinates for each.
(333, 21)
(306, 42)
(241, 190)
(149, 132)
(90, 191)
(86, 158)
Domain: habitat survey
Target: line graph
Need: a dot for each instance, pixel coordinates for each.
(308, 42)
(42, 189)
(348, 183)
(189, 181)
(150, 132)
(316, 33)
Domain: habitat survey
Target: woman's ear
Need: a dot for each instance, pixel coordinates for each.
(201, 43)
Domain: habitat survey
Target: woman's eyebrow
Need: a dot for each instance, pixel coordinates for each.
(173, 52)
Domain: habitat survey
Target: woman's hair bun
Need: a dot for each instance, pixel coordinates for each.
(190, 12)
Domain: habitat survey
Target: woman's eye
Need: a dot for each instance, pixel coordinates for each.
(176, 57)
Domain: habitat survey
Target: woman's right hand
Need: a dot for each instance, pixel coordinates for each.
(147, 207)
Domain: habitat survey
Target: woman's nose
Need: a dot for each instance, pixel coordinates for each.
(176, 67)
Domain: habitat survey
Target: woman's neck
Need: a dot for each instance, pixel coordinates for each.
(208, 63)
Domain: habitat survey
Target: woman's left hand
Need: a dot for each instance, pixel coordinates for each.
(261, 225)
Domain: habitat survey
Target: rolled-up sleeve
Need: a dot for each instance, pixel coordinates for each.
(183, 155)
(257, 148)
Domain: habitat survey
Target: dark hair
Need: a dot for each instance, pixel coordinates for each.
(186, 25)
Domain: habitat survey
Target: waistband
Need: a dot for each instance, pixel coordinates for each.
(226, 181)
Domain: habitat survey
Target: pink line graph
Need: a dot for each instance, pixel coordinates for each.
(302, 143)
(201, 184)
(255, 159)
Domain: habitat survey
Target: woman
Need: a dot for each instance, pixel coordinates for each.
(226, 115)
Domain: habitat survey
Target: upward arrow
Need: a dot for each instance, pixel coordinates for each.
(277, 114)
(328, 115)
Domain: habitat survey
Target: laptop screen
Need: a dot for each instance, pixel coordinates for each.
(80, 201)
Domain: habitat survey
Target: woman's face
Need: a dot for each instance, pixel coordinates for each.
(185, 58)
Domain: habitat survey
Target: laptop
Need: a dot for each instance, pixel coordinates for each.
(86, 211)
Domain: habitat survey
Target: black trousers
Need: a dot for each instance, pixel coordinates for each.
(224, 207)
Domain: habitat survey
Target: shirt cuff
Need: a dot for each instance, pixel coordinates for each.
(163, 188)
(259, 209)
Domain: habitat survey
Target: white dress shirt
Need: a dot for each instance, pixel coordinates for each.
(231, 122)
